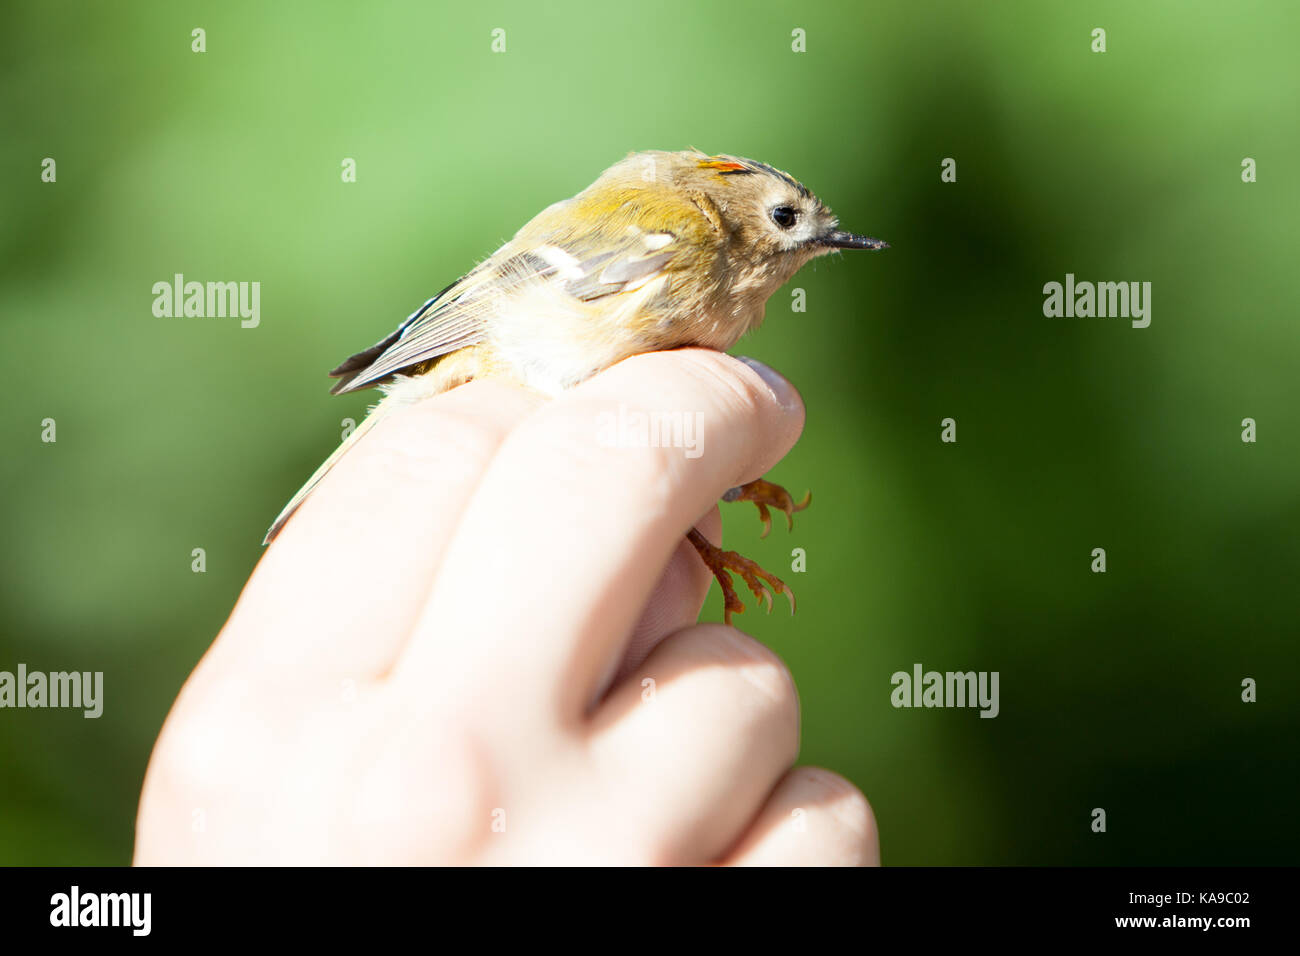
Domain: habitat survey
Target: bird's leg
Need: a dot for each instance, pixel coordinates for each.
(721, 562)
(764, 493)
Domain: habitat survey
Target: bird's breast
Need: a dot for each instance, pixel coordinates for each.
(551, 340)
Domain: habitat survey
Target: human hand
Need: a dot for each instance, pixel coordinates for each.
(476, 643)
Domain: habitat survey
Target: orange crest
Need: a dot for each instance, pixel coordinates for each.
(724, 165)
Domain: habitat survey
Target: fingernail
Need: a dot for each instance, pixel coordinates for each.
(782, 391)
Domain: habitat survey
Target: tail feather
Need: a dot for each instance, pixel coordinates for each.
(368, 423)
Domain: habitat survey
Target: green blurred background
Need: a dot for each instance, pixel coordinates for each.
(1118, 690)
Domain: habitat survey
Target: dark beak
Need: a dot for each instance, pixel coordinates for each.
(847, 240)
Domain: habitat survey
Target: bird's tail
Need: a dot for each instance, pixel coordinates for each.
(367, 423)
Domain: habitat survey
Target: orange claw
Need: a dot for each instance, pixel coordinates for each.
(763, 494)
(722, 562)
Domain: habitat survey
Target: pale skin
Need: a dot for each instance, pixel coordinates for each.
(476, 643)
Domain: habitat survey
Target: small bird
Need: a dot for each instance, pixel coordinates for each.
(664, 250)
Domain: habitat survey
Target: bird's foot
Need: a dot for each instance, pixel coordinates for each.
(721, 562)
(764, 494)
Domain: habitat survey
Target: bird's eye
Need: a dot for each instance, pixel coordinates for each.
(784, 216)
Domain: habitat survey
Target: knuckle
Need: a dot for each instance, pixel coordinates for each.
(589, 441)
(846, 804)
(732, 385)
(429, 446)
(208, 733)
(743, 395)
(760, 667)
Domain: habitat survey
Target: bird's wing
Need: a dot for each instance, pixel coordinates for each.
(616, 241)
(614, 255)
(447, 322)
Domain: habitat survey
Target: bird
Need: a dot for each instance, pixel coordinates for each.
(666, 249)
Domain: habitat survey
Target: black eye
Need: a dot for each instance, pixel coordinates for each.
(784, 216)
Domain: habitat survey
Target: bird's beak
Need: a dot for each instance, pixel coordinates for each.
(847, 240)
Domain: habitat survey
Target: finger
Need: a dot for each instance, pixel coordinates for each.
(696, 738)
(675, 602)
(813, 818)
(339, 590)
(571, 528)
